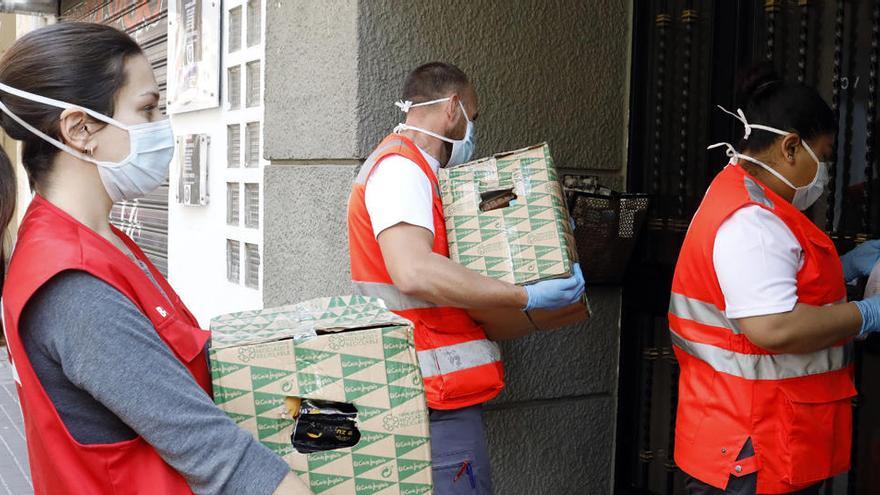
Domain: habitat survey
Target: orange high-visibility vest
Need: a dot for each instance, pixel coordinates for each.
(460, 366)
(796, 408)
(50, 242)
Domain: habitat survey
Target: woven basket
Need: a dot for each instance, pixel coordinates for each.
(607, 228)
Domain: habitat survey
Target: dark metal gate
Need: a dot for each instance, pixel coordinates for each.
(685, 58)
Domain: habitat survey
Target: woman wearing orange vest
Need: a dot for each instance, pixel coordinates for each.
(758, 313)
(110, 366)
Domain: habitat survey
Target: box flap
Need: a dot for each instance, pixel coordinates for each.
(514, 152)
(305, 319)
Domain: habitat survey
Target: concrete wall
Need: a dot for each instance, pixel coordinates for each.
(554, 70)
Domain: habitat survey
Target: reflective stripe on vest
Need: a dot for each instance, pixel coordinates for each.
(766, 366)
(451, 358)
(749, 366)
(701, 312)
(440, 360)
(757, 194)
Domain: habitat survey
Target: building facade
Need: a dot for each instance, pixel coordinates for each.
(622, 91)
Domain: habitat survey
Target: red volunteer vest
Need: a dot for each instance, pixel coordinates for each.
(795, 407)
(50, 242)
(460, 366)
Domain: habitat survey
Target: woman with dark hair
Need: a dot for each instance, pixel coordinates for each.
(109, 364)
(758, 314)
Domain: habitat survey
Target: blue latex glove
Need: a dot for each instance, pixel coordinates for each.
(558, 293)
(870, 309)
(860, 261)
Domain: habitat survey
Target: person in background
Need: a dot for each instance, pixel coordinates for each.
(758, 315)
(399, 253)
(109, 364)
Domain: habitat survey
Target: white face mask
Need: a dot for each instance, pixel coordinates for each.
(804, 196)
(462, 149)
(151, 148)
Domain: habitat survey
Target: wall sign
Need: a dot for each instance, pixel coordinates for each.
(193, 55)
(192, 160)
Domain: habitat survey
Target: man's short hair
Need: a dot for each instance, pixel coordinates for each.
(433, 80)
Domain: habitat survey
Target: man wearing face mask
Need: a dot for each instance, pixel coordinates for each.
(758, 314)
(399, 253)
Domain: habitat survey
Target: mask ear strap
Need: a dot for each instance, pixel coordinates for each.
(58, 144)
(730, 151)
(405, 105)
(60, 104)
(740, 116)
(403, 127)
(463, 111)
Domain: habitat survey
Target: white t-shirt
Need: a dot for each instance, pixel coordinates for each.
(399, 192)
(757, 258)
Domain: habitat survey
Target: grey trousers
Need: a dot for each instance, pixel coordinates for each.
(460, 456)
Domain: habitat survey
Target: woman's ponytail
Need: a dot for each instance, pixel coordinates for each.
(7, 206)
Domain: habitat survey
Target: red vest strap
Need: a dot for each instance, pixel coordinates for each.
(397, 144)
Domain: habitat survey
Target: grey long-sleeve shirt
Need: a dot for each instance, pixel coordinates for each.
(111, 378)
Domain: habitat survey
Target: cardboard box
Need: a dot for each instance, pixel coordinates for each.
(343, 349)
(506, 218)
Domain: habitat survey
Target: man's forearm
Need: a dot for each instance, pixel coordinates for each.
(804, 329)
(443, 282)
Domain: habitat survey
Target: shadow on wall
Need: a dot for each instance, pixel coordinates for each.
(554, 70)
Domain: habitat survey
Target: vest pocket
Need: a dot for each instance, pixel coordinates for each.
(816, 429)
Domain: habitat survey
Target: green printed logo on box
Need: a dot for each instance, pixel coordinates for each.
(395, 371)
(363, 463)
(220, 368)
(415, 489)
(354, 364)
(356, 388)
(309, 382)
(368, 487)
(225, 394)
(323, 482)
(407, 468)
(394, 346)
(264, 402)
(406, 443)
(260, 377)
